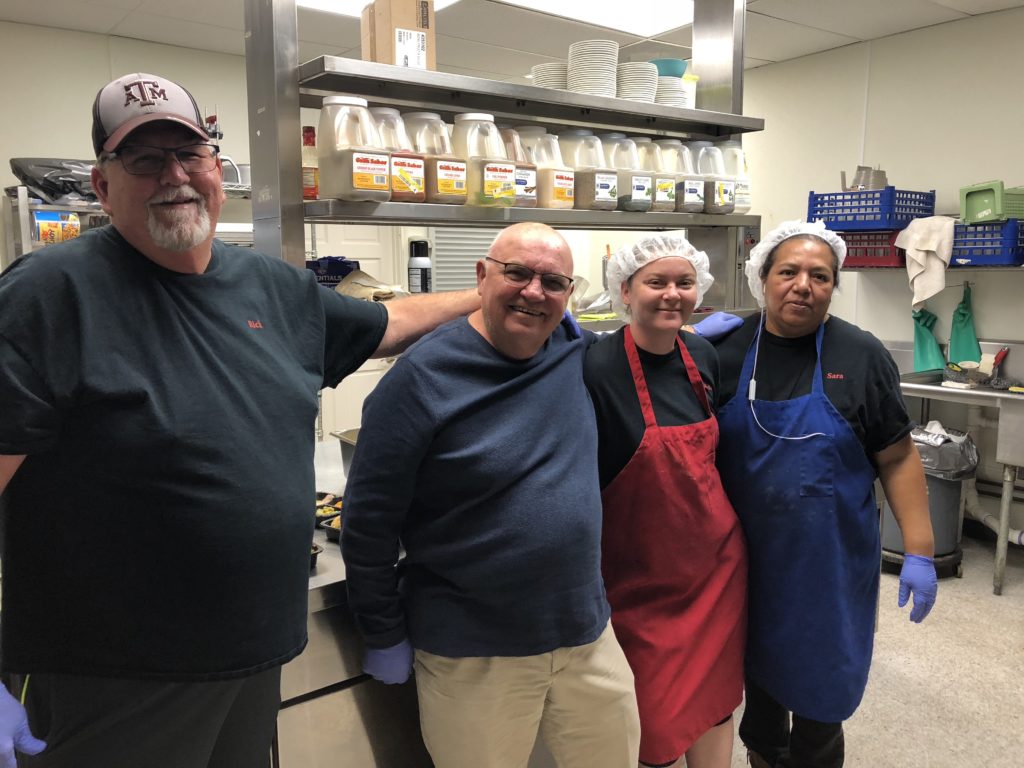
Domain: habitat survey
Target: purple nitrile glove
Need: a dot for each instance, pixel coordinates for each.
(389, 665)
(716, 325)
(918, 576)
(14, 731)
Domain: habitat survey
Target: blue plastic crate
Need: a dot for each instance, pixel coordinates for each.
(331, 270)
(998, 243)
(888, 208)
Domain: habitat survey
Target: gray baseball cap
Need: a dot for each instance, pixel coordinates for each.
(132, 100)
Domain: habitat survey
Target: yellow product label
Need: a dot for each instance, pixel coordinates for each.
(500, 181)
(666, 190)
(406, 174)
(370, 171)
(56, 227)
(563, 186)
(50, 232)
(451, 177)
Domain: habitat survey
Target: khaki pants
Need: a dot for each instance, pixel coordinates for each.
(485, 712)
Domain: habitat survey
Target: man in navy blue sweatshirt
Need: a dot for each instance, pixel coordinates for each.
(477, 455)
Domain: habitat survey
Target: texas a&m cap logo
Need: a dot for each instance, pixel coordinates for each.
(133, 100)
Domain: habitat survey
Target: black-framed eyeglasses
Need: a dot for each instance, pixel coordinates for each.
(521, 276)
(142, 160)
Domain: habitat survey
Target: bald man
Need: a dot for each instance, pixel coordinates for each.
(477, 454)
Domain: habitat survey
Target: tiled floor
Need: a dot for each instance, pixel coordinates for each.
(947, 693)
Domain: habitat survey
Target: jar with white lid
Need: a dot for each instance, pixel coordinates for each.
(663, 187)
(736, 166)
(719, 187)
(595, 182)
(407, 166)
(555, 180)
(491, 177)
(634, 184)
(444, 172)
(353, 163)
(689, 184)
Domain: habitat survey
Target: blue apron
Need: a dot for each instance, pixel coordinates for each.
(808, 510)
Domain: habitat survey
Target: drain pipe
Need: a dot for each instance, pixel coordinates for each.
(972, 506)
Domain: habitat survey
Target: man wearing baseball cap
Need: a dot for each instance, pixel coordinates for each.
(158, 390)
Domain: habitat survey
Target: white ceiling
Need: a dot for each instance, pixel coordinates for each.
(487, 38)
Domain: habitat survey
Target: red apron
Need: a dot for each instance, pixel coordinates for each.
(675, 569)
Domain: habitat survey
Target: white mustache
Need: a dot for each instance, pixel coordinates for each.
(182, 194)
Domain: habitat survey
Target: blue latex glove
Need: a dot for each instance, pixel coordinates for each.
(918, 576)
(14, 732)
(716, 325)
(389, 665)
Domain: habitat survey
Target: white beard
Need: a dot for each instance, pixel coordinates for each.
(179, 230)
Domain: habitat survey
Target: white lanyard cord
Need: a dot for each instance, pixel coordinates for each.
(752, 390)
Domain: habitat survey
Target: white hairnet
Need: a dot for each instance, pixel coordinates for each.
(625, 262)
(787, 229)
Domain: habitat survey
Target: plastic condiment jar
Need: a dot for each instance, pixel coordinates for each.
(719, 188)
(664, 180)
(526, 172)
(634, 184)
(689, 184)
(555, 180)
(736, 166)
(407, 173)
(491, 177)
(353, 164)
(595, 182)
(444, 172)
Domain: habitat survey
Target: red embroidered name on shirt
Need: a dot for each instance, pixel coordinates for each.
(834, 376)
(258, 324)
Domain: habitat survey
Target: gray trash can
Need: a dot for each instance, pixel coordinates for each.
(947, 463)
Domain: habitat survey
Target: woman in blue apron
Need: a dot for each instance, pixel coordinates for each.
(810, 414)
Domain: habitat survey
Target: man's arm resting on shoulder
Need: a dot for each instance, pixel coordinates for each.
(413, 316)
(8, 466)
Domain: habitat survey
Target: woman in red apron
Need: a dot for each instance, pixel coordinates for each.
(811, 413)
(673, 555)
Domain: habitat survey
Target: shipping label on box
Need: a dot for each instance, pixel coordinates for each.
(404, 33)
(410, 48)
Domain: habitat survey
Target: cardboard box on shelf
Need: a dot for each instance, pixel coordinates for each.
(403, 33)
(367, 38)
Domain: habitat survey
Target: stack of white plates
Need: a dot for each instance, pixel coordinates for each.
(670, 92)
(637, 81)
(550, 75)
(592, 67)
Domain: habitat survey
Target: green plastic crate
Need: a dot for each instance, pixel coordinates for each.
(991, 201)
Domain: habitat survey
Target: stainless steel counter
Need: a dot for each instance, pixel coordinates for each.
(1009, 446)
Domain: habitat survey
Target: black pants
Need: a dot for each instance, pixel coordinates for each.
(765, 729)
(117, 723)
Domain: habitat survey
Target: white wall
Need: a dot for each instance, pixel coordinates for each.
(936, 109)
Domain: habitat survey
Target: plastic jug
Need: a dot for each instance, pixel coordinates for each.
(595, 183)
(634, 184)
(407, 166)
(555, 180)
(491, 177)
(526, 171)
(353, 163)
(736, 166)
(664, 181)
(444, 173)
(719, 188)
(689, 184)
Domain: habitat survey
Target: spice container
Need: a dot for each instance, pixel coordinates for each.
(689, 184)
(634, 185)
(526, 172)
(490, 177)
(555, 180)
(407, 166)
(719, 188)
(595, 184)
(310, 164)
(353, 165)
(736, 166)
(663, 185)
(444, 173)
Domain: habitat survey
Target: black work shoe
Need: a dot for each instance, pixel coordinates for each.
(756, 761)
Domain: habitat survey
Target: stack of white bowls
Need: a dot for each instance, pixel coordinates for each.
(550, 75)
(670, 92)
(592, 66)
(637, 81)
